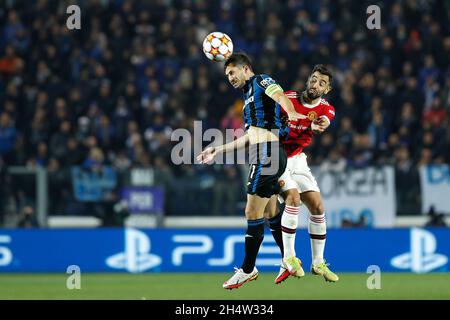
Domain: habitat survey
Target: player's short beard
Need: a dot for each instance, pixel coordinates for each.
(312, 96)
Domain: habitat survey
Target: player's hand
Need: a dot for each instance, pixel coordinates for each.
(322, 121)
(296, 116)
(319, 125)
(284, 119)
(207, 155)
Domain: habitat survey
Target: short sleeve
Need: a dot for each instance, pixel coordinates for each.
(329, 112)
(269, 85)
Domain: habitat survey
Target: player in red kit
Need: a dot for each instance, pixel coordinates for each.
(298, 178)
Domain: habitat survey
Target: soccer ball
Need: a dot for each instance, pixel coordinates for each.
(217, 46)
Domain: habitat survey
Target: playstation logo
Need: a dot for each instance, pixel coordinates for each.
(136, 257)
(422, 257)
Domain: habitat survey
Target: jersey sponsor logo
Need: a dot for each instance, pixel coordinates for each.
(299, 126)
(331, 111)
(325, 102)
(266, 82)
(312, 115)
(249, 100)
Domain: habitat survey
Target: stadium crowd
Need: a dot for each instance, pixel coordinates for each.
(112, 92)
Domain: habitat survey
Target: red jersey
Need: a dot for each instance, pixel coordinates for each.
(300, 134)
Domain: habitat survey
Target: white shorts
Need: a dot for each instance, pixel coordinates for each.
(298, 175)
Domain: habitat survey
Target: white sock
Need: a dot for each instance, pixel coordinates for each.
(317, 229)
(289, 222)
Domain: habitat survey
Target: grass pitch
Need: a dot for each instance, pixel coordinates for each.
(200, 286)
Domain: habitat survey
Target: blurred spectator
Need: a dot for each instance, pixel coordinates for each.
(335, 162)
(95, 159)
(225, 192)
(121, 162)
(436, 114)
(113, 211)
(42, 154)
(361, 153)
(58, 142)
(8, 136)
(407, 184)
(59, 187)
(232, 119)
(360, 223)
(116, 89)
(75, 153)
(425, 157)
(346, 132)
(377, 131)
(435, 219)
(407, 116)
(27, 218)
(164, 177)
(5, 194)
(10, 63)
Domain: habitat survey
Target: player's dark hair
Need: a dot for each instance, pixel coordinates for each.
(323, 70)
(238, 58)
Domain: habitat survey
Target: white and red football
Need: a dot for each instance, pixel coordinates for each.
(217, 46)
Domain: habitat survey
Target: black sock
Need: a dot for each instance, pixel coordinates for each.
(275, 228)
(253, 240)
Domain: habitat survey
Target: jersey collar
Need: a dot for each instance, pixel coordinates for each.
(307, 105)
(251, 79)
(247, 83)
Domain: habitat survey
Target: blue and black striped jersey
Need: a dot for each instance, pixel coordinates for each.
(259, 109)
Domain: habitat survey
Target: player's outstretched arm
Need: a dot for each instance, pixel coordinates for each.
(210, 153)
(234, 145)
(320, 124)
(287, 105)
